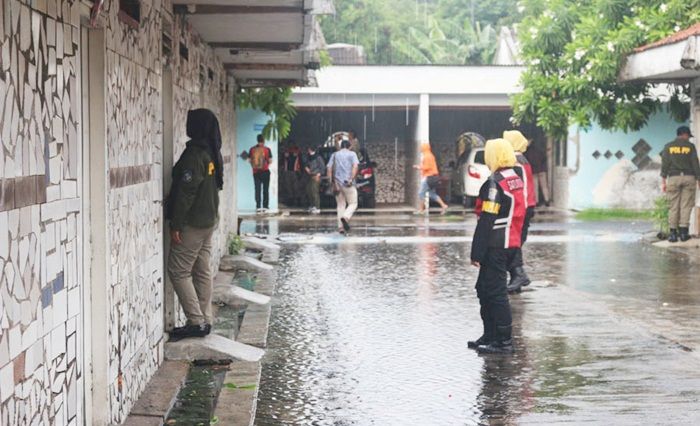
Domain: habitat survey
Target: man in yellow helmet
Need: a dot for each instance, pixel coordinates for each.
(501, 207)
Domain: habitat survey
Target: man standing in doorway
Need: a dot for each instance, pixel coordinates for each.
(314, 167)
(538, 161)
(342, 169)
(680, 174)
(260, 157)
(192, 209)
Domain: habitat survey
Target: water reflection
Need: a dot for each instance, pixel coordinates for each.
(375, 334)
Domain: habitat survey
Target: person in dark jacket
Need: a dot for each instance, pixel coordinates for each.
(193, 207)
(502, 206)
(314, 166)
(538, 161)
(680, 174)
(518, 277)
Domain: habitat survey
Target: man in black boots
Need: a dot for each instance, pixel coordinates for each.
(501, 207)
(680, 174)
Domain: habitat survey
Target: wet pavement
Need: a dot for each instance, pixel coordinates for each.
(371, 329)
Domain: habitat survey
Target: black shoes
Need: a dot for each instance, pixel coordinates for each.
(179, 333)
(503, 347)
(481, 341)
(684, 235)
(518, 279)
(673, 236)
(346, 225)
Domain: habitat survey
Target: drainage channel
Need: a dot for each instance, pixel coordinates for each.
(196, 402)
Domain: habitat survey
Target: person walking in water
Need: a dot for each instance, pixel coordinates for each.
(501, 207)
(518, 277)
(342, 170)
(192, 209)
(430, 178)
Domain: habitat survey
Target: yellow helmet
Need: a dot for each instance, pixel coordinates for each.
(516, 139)
(499, 154)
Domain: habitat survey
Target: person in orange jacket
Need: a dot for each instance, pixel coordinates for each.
(430, 177)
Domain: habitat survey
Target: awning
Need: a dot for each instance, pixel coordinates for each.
(261, 42)
(675, 59)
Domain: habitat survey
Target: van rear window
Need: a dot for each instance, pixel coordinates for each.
(479, 157)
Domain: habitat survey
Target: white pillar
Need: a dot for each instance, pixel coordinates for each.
(422, 136)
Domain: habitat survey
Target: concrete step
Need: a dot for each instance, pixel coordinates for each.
(233, 295)
(160, 394)
(235, 262)
(270, 250)
(211, 348)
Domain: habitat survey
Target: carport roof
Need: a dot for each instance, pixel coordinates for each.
(261, 42)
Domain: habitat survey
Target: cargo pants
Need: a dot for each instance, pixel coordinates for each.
(680, 191)
(190, 273)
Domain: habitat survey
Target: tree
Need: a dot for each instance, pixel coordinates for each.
(574, 50)
(276, 102)
(419, 31)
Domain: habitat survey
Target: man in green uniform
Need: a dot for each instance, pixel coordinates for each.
(680, 174)
(192, 208)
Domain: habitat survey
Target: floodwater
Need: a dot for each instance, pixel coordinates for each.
(372, 329)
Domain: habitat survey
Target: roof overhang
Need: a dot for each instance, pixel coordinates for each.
(261, 42)
(677, 62)
(395, 86)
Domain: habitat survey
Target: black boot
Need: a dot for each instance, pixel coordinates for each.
(481, 341)
(518, 279)
(190, 330)
(685, 236)
(672, 236)
(503, 343)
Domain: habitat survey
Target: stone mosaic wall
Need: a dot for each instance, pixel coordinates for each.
(41, 377)
(40, 275)
(391, 170)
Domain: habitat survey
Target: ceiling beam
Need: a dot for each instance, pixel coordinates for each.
(270, 82)
(217, 9)
(255, 45)
(263, 66)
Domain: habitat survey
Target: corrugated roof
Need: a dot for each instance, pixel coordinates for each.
(673, 38)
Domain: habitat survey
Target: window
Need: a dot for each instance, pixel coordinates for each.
(130, 12)
(184, 52)
(479, 157)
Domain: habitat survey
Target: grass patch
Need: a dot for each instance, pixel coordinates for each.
(614, 214)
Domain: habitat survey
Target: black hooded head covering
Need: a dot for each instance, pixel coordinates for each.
(203, 129)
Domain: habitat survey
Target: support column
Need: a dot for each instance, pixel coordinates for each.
(422, 135)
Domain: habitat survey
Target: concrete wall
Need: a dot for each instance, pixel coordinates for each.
(250, 124)
(617, 169)
(42, 341)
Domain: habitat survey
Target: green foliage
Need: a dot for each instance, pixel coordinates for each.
(613, 214)
(276, 102)
(241, 387)
(660, 214)
(235, 244)
(574, 51)
(420, 31)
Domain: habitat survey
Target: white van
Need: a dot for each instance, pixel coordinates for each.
(475, 173)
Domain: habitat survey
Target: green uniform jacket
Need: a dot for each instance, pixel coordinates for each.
(194, 197)
(679, 157)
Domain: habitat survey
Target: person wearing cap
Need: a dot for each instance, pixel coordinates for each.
(501, 206)
(680, 174)
(518, 277)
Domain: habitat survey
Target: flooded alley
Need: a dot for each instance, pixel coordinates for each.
(372, 329)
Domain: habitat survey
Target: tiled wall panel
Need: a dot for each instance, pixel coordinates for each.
(41, 283)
